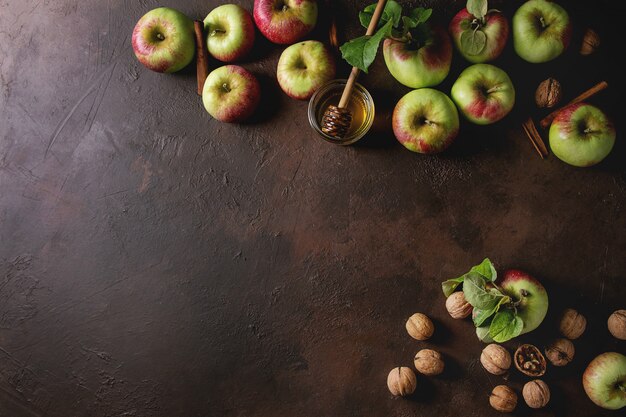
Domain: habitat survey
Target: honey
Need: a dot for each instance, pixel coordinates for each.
(361, 106)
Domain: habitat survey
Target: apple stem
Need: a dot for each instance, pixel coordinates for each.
(285, 7)
(226, 88)
(216, 31)
(493, 89)
(589, 130)
(543, 22)
(160, 36)
(429, 123)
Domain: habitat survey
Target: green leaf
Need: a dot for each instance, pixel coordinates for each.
(476, 294)
(486, 269)
(420, 14)
(361, 52)
(392, 11)
(477, 8)
(483, 334)
(479, 317)
(473, 41)
(450, 285)
(505, 326)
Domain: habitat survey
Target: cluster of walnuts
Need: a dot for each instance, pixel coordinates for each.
(402, 381)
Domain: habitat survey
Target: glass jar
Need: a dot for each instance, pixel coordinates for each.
(361, 105)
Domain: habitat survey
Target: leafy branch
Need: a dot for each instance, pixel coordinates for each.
(361, 52)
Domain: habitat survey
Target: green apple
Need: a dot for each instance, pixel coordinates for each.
(163, 40)
(231, 94)
(581, 135)
(529, 297)
(425, 121)
(419, 66)
(230, 32)
(494, 25)
(541, 31)
(303, 68)
(484, 93)
(604, 380)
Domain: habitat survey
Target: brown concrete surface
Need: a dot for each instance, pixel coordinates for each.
(154, 262)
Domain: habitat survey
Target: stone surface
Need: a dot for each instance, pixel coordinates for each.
(155, 262)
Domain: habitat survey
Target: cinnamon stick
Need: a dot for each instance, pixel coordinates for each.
(546, 121)
(202, 59)
(535, 138)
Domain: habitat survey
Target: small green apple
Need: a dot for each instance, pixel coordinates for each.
(541, 31)
(303, 68)
(230, 32)
(581, 135)
(494, 25)
(231, 94)
(484, 94)
(604, 380)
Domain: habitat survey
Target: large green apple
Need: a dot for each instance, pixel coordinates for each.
(484, 93)
(303, 68)
(581, 135)
(419, 66)
(163, 40)
(604, 380)
(494, 25)
(231, 94)
(425, 121)
(230, 32)
(541, 31)
(529, 296)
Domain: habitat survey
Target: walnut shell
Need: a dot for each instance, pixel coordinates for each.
(495, 359)
(457, 305)
(529, 360)
(429, 362)
(401, 381)
(591, 42)
(420, 327)
(548, 93)
(573, 324)
(536, 393)
(617, 324)
(503, 399)
(560, 352)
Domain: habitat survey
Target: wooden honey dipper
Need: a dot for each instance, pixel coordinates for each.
(337, 119)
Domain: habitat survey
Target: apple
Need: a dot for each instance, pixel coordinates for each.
(417, 67)
(541, 31)
(494, 25)
(303, 68)
(163, 40)
(231, 94)
(604, 380)
(230, 32)
(581, 135)
(484, 93)
(530, 297)
(425, 121)
(285, 21)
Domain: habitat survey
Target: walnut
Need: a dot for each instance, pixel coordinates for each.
(536, 393)
(503, 399)
(401, 381)
(548, 93)
(457, 305)
(617, 324)
(420, 327)
(529, 360)
(591, 42)
(560, 352)
(429, 362)
(495, 359)
(572, 324)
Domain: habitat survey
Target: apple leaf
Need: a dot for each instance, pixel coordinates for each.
(505, 326)
(392, 11)
(361, 52)
(477, 8)
(479, 317)
(486, 269)
(483, 334)
(473, 41)
(477, 295)
(420, 14)
(450, 285)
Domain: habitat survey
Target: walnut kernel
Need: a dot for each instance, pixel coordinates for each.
(420, 327)
(503, 399)
(495, 359)
(529, 360)
(401, 381)
(617, 324)
(536, 393)
(429, 362)
(457, 305)
(560, 352)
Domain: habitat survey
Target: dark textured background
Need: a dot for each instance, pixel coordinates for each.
(154, 262)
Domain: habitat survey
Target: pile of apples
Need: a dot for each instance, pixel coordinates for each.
(426, 120)
(163, 41)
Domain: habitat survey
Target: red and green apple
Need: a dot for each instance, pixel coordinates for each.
(581, 135)
(163, 40)
(231, 94)
(484, 93)
(604, 380)
(303, 68)
(285, 21)
(425, 121)
(541, 30)
(230, 32)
